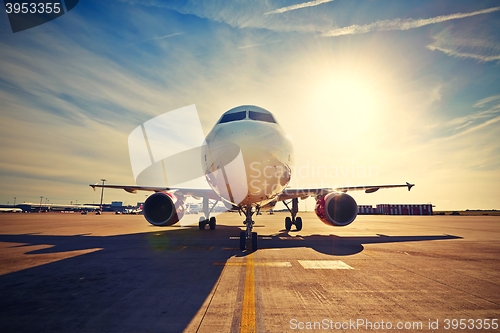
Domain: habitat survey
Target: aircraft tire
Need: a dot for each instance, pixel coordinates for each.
(202, 224)
(212, 223)
(288, 223)
(243, 241)
(254, 241)
(298, 223)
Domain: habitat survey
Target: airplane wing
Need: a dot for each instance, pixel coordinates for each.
(303, 193)
(195, 193)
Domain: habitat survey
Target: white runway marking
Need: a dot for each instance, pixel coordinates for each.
(256, 263)
(292, 238)
(324, 264)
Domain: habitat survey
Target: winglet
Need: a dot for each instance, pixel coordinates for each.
(409, 186)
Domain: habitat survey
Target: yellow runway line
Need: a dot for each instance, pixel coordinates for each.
(248, 322)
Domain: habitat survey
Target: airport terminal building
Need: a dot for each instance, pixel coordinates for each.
(396, 209)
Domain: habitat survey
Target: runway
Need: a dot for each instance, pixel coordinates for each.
(116, 273)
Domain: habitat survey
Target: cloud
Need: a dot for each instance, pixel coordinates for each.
(68, 105)
(248, 14)
(476, 127)
(477, 120)
(451, 52)
(401, 24)
(256, 45)
(297, 6)
(486, 100)
(469, 42)
(160, 37)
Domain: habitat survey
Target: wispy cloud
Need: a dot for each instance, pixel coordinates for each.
(480, 126)
(463, 122)
(479, 119)
(257, 45)
(475, 43)
(162, 37)
(458, 54)
(56, 118)
(401, 24)
(297, 6)
(486, 100)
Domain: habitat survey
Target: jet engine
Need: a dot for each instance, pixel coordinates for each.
(336, 209)
(163, 209)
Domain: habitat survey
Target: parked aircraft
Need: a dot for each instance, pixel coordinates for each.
(247, 160)
(10, 210)
(133, 211)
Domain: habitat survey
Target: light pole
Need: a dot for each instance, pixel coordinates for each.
(40, 209)
(102, 191)
(14, 201)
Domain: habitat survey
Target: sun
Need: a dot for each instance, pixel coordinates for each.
(345, 104)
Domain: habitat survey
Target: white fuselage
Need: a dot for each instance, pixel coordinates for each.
(247, 161)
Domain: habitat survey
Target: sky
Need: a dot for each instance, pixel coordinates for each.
(370, 92)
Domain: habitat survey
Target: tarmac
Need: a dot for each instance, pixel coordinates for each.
(116, 273)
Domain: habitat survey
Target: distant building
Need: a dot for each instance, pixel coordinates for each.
(396, 209)
(404, 209)
(366, 209)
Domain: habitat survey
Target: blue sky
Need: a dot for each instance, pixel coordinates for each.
(375, 91)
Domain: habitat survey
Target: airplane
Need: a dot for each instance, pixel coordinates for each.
(247, 160)
(133, 211)
(10, 210)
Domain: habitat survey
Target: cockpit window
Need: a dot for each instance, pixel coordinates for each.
(233, 117)
(261, 116)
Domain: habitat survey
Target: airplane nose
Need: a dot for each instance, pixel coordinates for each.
(248, 160)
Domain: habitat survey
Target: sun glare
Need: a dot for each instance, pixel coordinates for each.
(345, 105)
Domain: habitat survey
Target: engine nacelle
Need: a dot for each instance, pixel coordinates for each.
(336, 209)
(163, 209)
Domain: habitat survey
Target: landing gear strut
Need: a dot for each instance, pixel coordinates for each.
(204, 220)
(294, 219)
(247, 235)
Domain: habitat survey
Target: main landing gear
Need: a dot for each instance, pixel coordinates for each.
(204, 220)
(294, 219)
(248, 236)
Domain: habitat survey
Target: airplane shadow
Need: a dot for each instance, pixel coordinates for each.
(343, 245)
(147, 282)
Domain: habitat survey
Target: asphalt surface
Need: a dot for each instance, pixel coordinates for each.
(116, 273)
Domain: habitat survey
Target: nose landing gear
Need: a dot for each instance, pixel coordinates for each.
(248, 236)
(294, 220)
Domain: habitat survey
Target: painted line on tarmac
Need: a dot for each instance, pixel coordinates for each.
(292, 238)
(260, 237)
(324, 264)
(306, 264)
(256, 264)
(248, 322)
